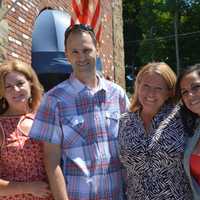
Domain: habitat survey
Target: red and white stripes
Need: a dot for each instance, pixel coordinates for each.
(87, 12)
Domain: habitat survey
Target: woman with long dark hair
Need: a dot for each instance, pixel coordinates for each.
(188, 90)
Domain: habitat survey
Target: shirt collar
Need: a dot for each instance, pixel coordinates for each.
(79, 86)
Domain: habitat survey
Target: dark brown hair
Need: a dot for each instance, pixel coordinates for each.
(79, 28)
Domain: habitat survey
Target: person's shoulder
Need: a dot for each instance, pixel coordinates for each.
(112, 86)
(196, 133)
(170, 108)
(111, 83)
(62, 89)
(60, 86)
(127, 115)
(170, 118)
(124, 115)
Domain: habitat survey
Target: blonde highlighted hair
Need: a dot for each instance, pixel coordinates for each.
(160, 68)
(29, 73)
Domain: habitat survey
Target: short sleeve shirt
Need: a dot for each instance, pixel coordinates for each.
(85, 124)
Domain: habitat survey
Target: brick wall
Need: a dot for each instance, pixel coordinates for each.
(21, 20)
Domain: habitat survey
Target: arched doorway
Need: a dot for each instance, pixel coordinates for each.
(48, 58)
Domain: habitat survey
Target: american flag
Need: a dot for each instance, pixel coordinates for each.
(87, 12)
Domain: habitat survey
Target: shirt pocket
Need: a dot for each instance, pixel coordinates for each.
(74, 131)
(112, 124)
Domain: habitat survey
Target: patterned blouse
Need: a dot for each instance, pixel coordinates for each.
(21, 158)
(153, 159)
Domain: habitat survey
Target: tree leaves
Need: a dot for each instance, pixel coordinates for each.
(149, 31)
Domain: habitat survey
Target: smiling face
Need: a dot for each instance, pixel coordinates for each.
(190, 91)
(81, 53)
(152, 92)
(17, 92)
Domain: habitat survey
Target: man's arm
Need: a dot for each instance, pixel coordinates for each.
(52, 157)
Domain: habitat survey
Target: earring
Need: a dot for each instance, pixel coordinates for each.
(3, 102)
(30, 100)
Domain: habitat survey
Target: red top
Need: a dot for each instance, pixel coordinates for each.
(21, 158)
(195, 166)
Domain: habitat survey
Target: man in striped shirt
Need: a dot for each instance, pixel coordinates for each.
(78, 122)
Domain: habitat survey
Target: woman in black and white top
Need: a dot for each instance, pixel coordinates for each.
(151, 138)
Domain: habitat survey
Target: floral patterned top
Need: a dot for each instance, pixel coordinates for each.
(20, 157)
(153, 158)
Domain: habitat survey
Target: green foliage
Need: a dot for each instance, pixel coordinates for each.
(149, 31)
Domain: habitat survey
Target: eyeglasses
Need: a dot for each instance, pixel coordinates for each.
(19, 85)
(77, 27)
(193, 90)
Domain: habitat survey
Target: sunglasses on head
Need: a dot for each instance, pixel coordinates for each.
(74, 27)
